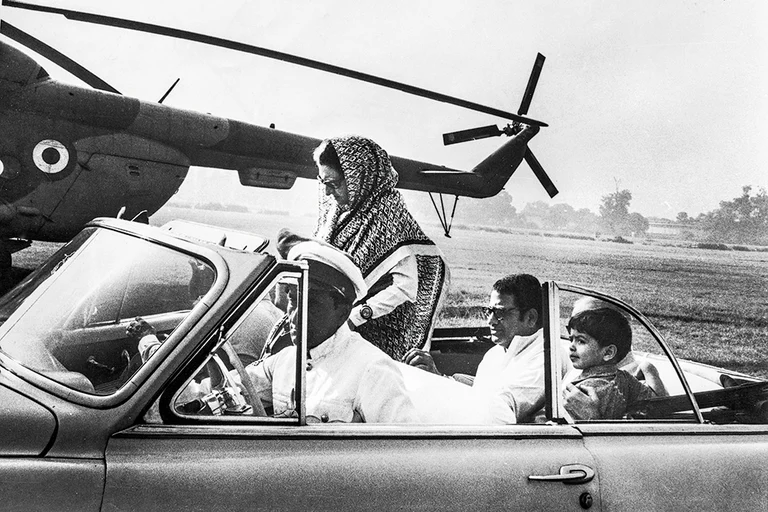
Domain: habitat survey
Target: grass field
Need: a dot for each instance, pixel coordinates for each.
(711, 306)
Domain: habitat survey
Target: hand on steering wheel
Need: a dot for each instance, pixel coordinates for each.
(138, 328)
(254, 399)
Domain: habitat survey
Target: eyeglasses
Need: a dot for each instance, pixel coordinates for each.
(497, 312)
(334, 184)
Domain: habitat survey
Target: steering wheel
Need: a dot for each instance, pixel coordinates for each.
(278, 338)
(245, 380)
(218, 373)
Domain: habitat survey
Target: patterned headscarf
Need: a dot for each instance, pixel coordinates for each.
(376, 221)
(373, 225)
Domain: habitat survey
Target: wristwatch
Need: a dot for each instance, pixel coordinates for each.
(366, 312)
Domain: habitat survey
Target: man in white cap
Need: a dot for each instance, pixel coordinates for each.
(347, 378)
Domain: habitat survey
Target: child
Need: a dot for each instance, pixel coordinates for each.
(642, 370)
(600, 338)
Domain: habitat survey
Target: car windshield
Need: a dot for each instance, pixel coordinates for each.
(68, 319)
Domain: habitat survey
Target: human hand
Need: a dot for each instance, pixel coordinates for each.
(420, 359)
(138, 328)
(581, 404)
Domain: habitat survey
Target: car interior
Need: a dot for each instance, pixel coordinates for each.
(722, 398)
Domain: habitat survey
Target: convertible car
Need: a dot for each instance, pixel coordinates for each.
(92, 421)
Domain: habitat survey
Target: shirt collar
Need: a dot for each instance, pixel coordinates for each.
(520, 343)
(599, 370)
(329, 345)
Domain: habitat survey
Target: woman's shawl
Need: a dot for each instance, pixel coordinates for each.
(372, 226)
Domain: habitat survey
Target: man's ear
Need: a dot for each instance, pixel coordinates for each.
(609, 353)
(531, 318)
(342, 310)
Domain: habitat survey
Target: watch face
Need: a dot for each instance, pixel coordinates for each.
(366, 312)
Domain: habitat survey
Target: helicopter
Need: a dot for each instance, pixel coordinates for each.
(69, 154)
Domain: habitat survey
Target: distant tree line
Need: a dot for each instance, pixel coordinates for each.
(743, 220)
(614, 219)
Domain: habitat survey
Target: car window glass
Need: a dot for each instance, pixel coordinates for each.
(252, 370)
(645, 374)
(169, 285)
(71, 322)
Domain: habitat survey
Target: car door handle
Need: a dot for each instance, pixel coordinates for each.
(569, 474)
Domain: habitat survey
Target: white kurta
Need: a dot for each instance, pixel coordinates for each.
(348, 380)
(512, 379)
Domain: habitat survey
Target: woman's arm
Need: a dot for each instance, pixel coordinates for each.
(403, 287)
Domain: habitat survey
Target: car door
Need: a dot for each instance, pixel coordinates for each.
(211, 449)
(680, 459)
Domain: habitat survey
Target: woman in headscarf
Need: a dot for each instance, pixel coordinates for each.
(362, 213)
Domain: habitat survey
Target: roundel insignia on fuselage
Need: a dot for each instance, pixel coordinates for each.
(51, 156)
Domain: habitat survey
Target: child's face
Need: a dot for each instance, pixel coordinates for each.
(586, 352)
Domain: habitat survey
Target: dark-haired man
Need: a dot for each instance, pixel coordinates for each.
(511, 374)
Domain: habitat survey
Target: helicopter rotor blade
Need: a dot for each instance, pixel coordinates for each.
(272, 54)
(55, 56)
(169, 90)
(490, 131)
(538, 170)
(471, 134)
(531, 87)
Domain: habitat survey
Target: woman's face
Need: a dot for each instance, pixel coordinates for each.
(334, 183)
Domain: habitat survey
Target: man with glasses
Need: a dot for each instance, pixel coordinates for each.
(511, 374)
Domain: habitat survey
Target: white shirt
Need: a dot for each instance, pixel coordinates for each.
(512, 379)
(402, 265)
(348, 380)
(403, 268)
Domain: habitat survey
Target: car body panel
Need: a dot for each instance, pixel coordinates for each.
(26, 426)
(680, 467)
(28, 483)
(344, 468)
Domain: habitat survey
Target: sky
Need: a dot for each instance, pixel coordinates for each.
(666, 99)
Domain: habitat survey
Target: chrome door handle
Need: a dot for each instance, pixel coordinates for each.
(569, 474)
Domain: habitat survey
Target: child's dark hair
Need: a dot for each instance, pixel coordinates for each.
(607, 326)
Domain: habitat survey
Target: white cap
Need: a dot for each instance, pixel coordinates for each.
(333, 262)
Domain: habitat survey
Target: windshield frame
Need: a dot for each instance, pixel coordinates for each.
(151, 235)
